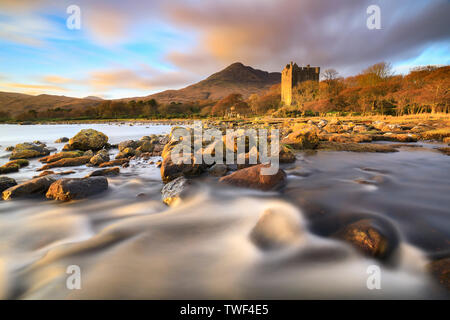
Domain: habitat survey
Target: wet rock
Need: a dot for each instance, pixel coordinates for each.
(446, 140)
(440, 269)
(333, 128)
(218, 170)
(76, 188)
(367, 236)
(29, 188)
(117, 162)
(252, 178)
(9, 149)
(360, 128)
(322, 123)
(6, 183)
(302, 140)
(146, 146)
(128, 144)
(61, 155)
(401, 137)
(158, 163)
(126, 153)
(349, 138)
(275, 229)
(444, 150)
(171, 170)
(101, 157)
(172, 191)
(66, 162)
(355, 147)
(62, 140)
(48, 172)
(13, 166)
(88, 139)
(29, 150)
(105, 172)
(286, 155)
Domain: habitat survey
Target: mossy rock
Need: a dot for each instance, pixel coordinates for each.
(88, 139)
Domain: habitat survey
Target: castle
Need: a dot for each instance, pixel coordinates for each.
(292, 75)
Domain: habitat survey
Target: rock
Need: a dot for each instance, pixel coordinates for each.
(218, 170)
(126, 153)
(44, 173)
(446, 140)
(252, 178)
(146, 146)
(88, 139)
(105, 172)
(158, 163)
(29, 188)
(9, 149)
(333, 128)
(13, 166)
(76, 188)
(440, 269)
(348, 138)
(173, 190)
(276, 228)
(286, 155)
(88, 153)
(66, 162)
(62, 140)
(437, 134)
(367, 237)
(29, 150)
(61, 155)
(6, 183)
(444, 150)
(117, 162)
(322, 123)
(101, 157)
(360, 128)
(355, 147)
(302, 138)
(171, 170)
(128, 144)
(400, 137)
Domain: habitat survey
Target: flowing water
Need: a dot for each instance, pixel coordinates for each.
(128, 244)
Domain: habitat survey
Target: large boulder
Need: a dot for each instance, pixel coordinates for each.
(29, 150)
(88, 139)
(128, 144)
(76, 188)
(29, 188)
(62, 140)
(218, 170)
(101, 157)
(440, 269)
(252, 178)
(6, 183)
(66, 162)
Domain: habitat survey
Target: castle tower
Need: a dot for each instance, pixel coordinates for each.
(292, 75)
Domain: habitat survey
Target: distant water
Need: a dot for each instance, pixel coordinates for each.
(130, 246)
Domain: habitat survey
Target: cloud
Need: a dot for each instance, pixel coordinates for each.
(56, 79)
(33, 88)
(145, 79)
(329, 34)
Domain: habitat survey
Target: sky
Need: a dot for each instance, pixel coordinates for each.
(136, 48)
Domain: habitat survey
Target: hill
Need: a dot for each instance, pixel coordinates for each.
(236, 78)
(16, 103)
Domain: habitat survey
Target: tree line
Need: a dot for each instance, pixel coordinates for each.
(376, 90)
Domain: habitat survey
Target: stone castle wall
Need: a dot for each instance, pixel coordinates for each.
(292, 75)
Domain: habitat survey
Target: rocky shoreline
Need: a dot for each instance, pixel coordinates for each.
(90, 148)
